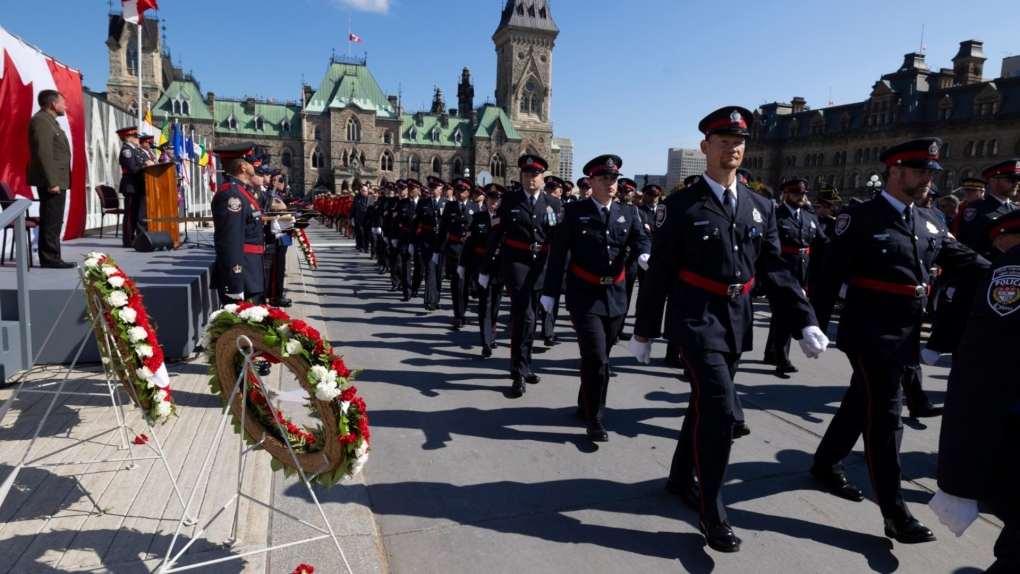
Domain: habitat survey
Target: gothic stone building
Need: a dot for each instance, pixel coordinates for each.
(978, 120)
(348, 128)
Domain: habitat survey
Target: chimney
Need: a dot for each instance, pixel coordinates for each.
(913, 61)
(249, 106)
(393, 101)
(306, 94)
(453, 112)
(211, 98)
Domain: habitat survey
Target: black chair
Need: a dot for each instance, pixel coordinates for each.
(110, 203)
(7, 197)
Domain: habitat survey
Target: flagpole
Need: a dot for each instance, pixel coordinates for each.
(349, 32)
(922, 36)
(141, 58)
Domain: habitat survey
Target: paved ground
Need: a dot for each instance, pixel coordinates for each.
(463, 478)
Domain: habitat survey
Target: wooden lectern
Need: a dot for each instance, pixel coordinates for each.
(161, 199)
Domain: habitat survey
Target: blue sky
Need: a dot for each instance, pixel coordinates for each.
(631, 78)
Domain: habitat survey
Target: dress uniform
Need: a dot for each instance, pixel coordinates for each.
(973, 190)
(998, 201)
(132, 184)
(522, 231)
(883, 251)
(672, 357)
(554, 186)
(598, 235)
(799, 233)
(425, 240)
(626, 186)
(472, 256)
(453, 228)
(390, 233)
(410, 261)
(711, 240)
(278, 241)
(237, 233)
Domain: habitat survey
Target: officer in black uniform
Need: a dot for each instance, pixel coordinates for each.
(595, 234)
(453, 228)
(426, 240)
(522, 232)
(583, 188)
(711, 240)
(410, 262)
(883, 251)
(554, 186)
(237, 232)
(979, 445)
(799, 233)
(275, 281)
(1003, 183)
(391, 232)
(132, 184)
(472, 256)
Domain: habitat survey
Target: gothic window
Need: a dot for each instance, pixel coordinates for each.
(344, 159)
(947, 150)
(285, 158)
(498, 166)
(260, 124)
(353, 130)
(387, 138)
(285, 126)
(981, 148)
(386, 161)
(993, 148)
(232, 122)
(186, 108)
(499, 137)
(413, 134)
(132, 58)
(855, 181)
(529, 98)
(968, 150)
(437, 165)
(457, 137)
(435, 134)
(317, 158)
(821, 159)
(857, 155)
(458, 167)
(950, 180)
(176, 107)
(415, 163)
(316, 133)
(361, 158)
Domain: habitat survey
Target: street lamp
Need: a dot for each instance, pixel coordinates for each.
(874, 185)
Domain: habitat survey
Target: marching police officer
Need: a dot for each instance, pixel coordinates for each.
(554, 186)
(711, 240)
(1003, 182)
(595, 234)
(453, 229)
(132, 184)
(472, 256)
(410, 264)
(237, 233)
(883, 251)
(425, 240)
(521, 232)
(973, 191)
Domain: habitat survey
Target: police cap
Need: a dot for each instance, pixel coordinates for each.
(127, 132)
(462, 184)
(241, 150)
(553, 181)
(1008, 223)
(494, 190)
(796, 185)
(731, 120)
(1008, 168)
(413, 183)
(607, 164)
(922, 153)
(145, 138)
(584, 183)
(568, 185)
(651, 189)
(434, 181)
(626, 184)
(973, 183)
(533, 163)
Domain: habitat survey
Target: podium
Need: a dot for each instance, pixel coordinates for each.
(161, 199)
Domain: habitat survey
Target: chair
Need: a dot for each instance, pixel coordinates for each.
(7, 197)
(110, 203)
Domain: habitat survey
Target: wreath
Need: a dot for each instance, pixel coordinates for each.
(331, 451)
(306, 248)
(136, 359)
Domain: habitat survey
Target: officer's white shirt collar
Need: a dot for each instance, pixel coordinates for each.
(599, 206)
(992, 195)
(795, 212)
(899, 205)
(718, 188)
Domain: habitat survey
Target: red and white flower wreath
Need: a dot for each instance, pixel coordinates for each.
(306, 249)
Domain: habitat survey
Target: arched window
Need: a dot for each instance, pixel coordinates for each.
(387, 138)
(317, 159)
(353, 129)
(993, 148)
(361, 158)
(415, 163)
(232, 122)
(386, 161)
(176, 106)
(950, 180)
(821, 159)
(498, 166)
(437, 165)
(499, 137)
(413, 133)
(855, 181)
(529, 98)
(285, 125)
(968, 150)
(981, 148)
(857, 155)
(260, 124)
(458, 167)
(186, 108)
(132, 58)
(947, 150)
(316, 133)
(457, 137)
(285, 158)
(344, 159)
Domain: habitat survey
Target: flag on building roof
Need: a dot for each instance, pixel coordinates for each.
(133, 9)
(353, 38)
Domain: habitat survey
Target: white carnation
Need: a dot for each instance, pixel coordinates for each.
(128, 315)
(317, 373)
(358, 464)
(106, 360)
(362, 450)
(109, 270)
(144, 373)
(117, 299)
(144, 351)
(95, 255)
(163, 409)
(256, 314)
(116, 282)
(161, 395)
(344, 405)
(91, 262)
(330, 378)
(136, 334)
(293, 347)
(284, 330)
(327, 392)
(150, 384)
(231, 308)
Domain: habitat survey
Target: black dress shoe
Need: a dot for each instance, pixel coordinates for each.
(673, 361)
(838, 484)
(597, 431)
(785, 370)
(58, 265)
(740, 429)
(517, 389)
(532, 379)
(549, 341)
(908, 531)
(494, 345)
(282, 302)
(720, 537)
(928, 410)
(690, 494)
(486, 351)
(624, 336)
(405, 298)
(457, 324)
(769, 360)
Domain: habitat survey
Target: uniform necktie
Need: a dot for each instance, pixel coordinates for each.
(605, 215)
(908, 217)
(531, 200)
(728, 201)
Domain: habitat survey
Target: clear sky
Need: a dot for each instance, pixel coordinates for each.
(631, 78)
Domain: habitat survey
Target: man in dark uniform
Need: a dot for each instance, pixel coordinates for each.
(359, 217)
(277, 272)
(145, 143)
(584, 188)
(979, 445)
(672, 357)
(132, 184)
(595, 235)
(489, 297)
(49, 171)
(627, 187)
(391, 233)
(973, 191)
(237, 232)
(410, 264)
(883, 251)
(799, 233)
(1003, 182)
(453, 228)
(522, 232)
(712, 239)
(554, 186)
(425, 240)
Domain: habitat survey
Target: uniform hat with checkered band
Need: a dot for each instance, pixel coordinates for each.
(608, 164)
(1009, 168)
(922, 153)
(732, 120)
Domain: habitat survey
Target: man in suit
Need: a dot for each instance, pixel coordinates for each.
(711, 240)
(489, 297)
(49, 171)
(1003, 182)
(453, 230)
(597, 236)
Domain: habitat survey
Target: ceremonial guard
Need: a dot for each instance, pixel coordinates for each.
(391, 232)
(711, 240)
(237, 233)
(453, 229)
(554, 186)
(631, 266)
(884, 251)
(279, 238)
(426, 240)
(1003, 182)
(410, 264)
(522, 231)
(472, 256)
(132, 184)
(595, 236)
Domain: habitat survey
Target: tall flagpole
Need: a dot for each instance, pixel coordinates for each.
(349, 32)
(140, 54)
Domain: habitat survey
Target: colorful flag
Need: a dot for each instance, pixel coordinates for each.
(353, 38)
(148, 117)
(189, 148)
(164, 132)
(203, 156)
(178, 142)
(133, 9)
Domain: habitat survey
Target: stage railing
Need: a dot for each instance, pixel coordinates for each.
(15, 213)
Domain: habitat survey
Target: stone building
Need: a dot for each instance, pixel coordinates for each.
(347, 128)
(977, 118)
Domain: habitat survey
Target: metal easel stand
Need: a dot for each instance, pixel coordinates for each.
(122, 429)
(168, 566)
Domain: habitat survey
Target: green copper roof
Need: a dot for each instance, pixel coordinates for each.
(491, 115)
(350, 84)
(183, 91)
(424, 133)
(273, 117)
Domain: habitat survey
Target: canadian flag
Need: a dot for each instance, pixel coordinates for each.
(353, 38)
(133, 9)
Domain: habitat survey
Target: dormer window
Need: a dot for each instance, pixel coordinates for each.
(457, 137)
(180, 104)
(435, 134)
(413, 134)
(499, 137)
(285, 125)
(260, 124)
(232, 121)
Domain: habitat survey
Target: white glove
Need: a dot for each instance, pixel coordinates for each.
(435, 259)
(461, 271)
(954, 512)
(275, 226)
(641, 351)
(814, 342)
(950, 292)
(410, 248)
(929, 356)
(377, 231)
(642, 261)
(842, 290)
(393, 242)
(238, 296)
(483, 281)
(547, 303)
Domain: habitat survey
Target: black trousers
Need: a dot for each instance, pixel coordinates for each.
(872, 407)
(523, 317)
(595, 337)
(381, 250)
(549, 320)
(433, 276)
(1005, 501)
(136, 209)
(631, 278)
(489, 300)
(410, 270)
(361, 234)
(276, 272)
(395, 263)
(51, 219)
(911, 383)
(703, 449)
(777, 346)
(458, 289)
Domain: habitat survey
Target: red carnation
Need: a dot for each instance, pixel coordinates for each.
(304, 569)
(299, 327)
(278, 315)
(347, 439)
(340, 368)
(348, 394)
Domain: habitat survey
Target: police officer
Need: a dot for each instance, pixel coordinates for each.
(973, 191)
(145, 143)
(584, 188)
(275, 280)
(1003, 182)
(627, 188)
(132, 184)
(390, 232)
(711, 240)
(554, 186)
(595, 234)
(472, 256)
(410, 263)
(426, 240)
(453, 229)
(522, 231)
(237, 233)
(883, 251)
(799, 233)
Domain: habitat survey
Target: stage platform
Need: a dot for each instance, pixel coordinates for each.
(175, 287)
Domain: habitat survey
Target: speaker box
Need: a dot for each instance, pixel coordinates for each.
(153, 241)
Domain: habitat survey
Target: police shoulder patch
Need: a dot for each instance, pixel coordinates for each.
(1004, 290)
(126, 152)
(969, 213)
(660, 214)
(842, 223)
(234, 205)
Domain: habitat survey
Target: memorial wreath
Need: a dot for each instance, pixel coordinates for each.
(306, 249)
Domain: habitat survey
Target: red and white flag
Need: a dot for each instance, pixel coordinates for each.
(353, 38)
(133, 9)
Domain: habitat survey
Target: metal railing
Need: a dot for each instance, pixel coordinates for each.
(15, 213)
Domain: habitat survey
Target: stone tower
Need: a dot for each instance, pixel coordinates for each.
(125, 56)
(524, 48)
(969, 62)
(465, 95)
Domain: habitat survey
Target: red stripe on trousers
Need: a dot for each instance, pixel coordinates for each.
(696, 387)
